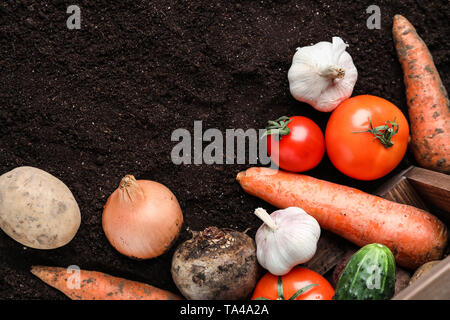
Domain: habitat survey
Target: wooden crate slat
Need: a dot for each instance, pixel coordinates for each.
(435, 285)
(330, 250)
(433, 186)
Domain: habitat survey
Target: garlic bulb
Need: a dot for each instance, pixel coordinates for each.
(287, 238)
(322, 75)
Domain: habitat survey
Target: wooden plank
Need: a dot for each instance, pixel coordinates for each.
(400, 190)
(416, 186)
(435, 285)
(433, 186)
(389, 184)
(330, 250)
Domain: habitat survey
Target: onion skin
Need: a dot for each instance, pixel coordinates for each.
(216, 264)
(141, 218)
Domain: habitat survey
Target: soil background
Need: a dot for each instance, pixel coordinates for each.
(94, 104)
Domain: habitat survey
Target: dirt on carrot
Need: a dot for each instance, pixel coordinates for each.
(93, 285)
(427, 98)
(89, 105)
(414, 236)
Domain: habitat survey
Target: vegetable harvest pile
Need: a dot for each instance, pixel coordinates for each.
(366, 138)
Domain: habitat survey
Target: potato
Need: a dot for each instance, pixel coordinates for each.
(422, 270)
(37, 209)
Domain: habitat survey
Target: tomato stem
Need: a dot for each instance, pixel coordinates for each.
(383, 133)
(302, 290)
(281, 294)
(280, 288)
(278, 127)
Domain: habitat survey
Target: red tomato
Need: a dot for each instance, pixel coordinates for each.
(361, 155)
(301, 149)
(295, 280)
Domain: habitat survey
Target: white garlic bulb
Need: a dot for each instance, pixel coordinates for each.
(322, 75)
(287, 238)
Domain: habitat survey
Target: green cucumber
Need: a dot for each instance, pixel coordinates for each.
(368, 275)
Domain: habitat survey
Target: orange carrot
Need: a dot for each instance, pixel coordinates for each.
(98, 286)
(414, 236)
(429, 109)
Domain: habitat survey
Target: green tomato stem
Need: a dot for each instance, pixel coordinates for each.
(278, 127)
(383, 133)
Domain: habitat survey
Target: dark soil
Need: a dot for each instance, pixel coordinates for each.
(92, 105)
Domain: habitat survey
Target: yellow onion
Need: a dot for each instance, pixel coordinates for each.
(141, 218)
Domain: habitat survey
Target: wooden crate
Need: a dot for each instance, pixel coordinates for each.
(427, 190)
(415, 186)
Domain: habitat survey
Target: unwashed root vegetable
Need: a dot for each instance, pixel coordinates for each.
(422, 270)
(216, 264)
(414, 236)
(37, 209)
(322, 75)
(93, 285)
(429, 107)
(141, 218)
(287, 238)
(402, 278)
